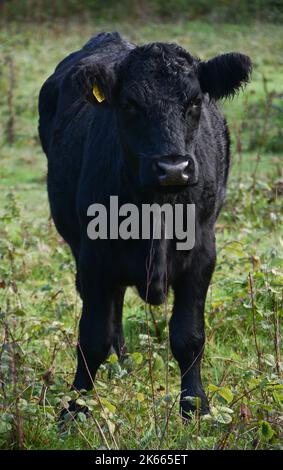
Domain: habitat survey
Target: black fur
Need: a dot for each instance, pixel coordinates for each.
(222, 76)
(159, 103)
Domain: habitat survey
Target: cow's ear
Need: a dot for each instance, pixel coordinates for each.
(95, 81)
(224, 75)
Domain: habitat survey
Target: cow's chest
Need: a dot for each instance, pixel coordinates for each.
(151, 266)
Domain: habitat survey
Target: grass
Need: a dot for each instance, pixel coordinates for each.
(40, 308)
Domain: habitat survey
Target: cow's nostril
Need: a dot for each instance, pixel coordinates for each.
(158, 168)
(170, 174)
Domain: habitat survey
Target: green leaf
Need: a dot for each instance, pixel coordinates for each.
(212, 388)
(140, 397)
(80, 402)
(113, 358)
(111, 426)
(18, 312)
(195, 401)
(222, 414)
(266, 431)
(158, 363)
(226, 393)
(82, 417)
(137, 357)
(108, 405)
(5, 427)
(91, 402)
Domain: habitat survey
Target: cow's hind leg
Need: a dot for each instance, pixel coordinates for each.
(187, 327)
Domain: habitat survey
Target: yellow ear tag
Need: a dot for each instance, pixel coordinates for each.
(98, 94)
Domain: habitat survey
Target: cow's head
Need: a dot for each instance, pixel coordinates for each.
(157, 92)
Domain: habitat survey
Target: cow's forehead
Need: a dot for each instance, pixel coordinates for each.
(149, 82)
(156, 60)
(149, 91)
(158, 70)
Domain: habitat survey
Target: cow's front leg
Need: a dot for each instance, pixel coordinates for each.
(96, 324)
(187, 335)
(96, 330)
(119, 345)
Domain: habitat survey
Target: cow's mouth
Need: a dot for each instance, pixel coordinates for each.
(173, 189)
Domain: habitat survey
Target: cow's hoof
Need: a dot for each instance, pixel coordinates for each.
(70, 414)
(190, 406)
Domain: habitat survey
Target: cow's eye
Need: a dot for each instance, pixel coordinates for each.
(195, 103)
(192, 108)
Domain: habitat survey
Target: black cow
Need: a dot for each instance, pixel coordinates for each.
(150, 131)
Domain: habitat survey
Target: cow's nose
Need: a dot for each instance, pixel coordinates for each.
(172, 174)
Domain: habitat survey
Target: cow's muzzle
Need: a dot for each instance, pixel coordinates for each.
(176, 170)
